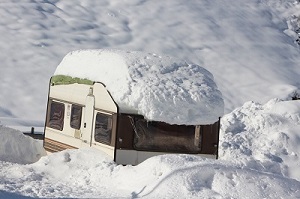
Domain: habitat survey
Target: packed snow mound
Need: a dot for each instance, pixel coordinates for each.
(264, 136)
(18, 148)
(87, 173)
(161, 88)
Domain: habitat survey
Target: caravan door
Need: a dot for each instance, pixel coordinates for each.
(86, 135)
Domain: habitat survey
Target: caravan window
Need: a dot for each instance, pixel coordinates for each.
(103, 128)
(56, 117)
(76, 113)
(163, 137)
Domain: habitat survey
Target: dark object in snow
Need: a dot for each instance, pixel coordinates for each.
(33, 135)
(295, 96)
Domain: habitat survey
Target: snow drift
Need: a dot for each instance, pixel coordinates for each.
(18, 148)
(263, 136)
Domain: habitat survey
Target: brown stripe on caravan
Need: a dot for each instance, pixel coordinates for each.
(124, 132)
(55, 146)
(210, 138)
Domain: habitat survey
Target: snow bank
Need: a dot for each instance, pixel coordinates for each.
(161, 88)
(86, 173)
(263, 136)
(18, 148)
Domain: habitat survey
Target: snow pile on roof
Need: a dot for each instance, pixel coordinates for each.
(161, 88)
(264, 136)
(18, 148)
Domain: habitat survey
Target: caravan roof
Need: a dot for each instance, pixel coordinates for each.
(160, 88)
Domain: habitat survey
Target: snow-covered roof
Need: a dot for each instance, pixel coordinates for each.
(160, 88)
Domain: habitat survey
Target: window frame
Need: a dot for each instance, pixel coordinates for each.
(78, 126)
(109, 131)
(50, 115)
(193, 138)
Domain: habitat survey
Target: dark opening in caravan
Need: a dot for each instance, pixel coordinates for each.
(132, 106)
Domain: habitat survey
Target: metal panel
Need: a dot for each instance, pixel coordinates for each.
(134, 157)
(88, 121)
(210, 138)
(62, 138)
(109, 150)
(103, 100)
(124, 132)
(75, 93)
(126, 157)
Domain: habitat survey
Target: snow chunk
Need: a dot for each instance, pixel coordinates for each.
(161, 88)
(263, 137)
(18, 148)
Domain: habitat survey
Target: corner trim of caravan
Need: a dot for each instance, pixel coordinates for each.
(47, 107)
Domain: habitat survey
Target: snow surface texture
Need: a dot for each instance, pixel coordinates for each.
(265, 136)
(161, 88)
(259, 158)
(248, 45)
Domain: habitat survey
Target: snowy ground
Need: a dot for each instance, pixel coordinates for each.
(248, 46)
(259, 158)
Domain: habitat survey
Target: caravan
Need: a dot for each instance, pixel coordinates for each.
(85, 112)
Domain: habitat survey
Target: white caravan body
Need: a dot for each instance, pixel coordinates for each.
(74, 121)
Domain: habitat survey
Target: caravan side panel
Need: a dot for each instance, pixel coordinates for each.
(103, 100)
(67, 96)
(75, 93)
(65, 134)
